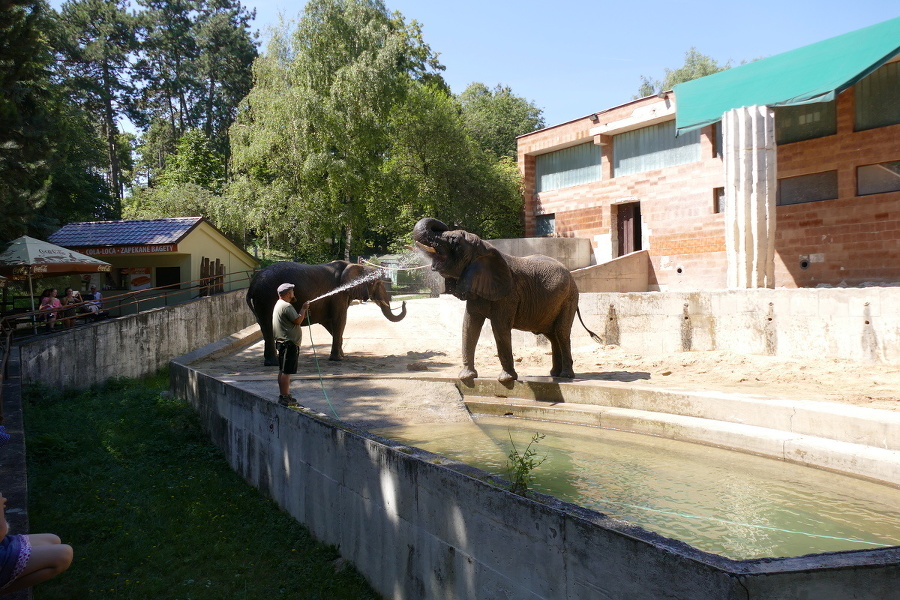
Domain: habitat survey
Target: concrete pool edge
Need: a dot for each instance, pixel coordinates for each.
(420, 526)
(856, 441)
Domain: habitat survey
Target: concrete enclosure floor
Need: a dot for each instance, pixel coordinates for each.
(402, 373)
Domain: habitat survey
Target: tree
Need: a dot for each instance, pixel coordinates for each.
(166, 67)
(495, 118)
(436, 168)
(227, 50)
(195, 68)
(311, 137)
(25, 134)
(194, 177)
(195, 161)
(696, 65)
(97, 39)
(78, 191)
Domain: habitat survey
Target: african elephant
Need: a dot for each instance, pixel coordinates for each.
(535, 293)
(310, 282)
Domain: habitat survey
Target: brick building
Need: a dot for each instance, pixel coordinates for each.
(785, 172)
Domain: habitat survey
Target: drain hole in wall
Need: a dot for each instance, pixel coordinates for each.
(678, 270)
(804, 264)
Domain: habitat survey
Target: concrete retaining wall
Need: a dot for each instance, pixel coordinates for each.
(134, 345)
(859, 324)
(627, 273)
(419, 526)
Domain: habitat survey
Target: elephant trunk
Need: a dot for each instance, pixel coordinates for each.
(389, 314)
(427, 229)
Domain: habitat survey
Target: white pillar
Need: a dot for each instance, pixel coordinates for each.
(750, 186)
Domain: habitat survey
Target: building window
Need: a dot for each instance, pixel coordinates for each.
(654, 147)
(808, 188)
(877, 98)
(805, 122)
(878, 179)
(718, 200)
(567, 167)
(545, 225)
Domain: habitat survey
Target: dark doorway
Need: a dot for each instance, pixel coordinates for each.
(168, 277)
(628, 224)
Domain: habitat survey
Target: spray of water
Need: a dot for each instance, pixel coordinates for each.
(371, 276)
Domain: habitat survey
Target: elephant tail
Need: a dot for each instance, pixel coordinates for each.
(594, 336)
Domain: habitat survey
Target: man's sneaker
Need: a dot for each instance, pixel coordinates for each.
(287, 400)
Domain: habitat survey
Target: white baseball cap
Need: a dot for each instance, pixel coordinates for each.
(285, 287)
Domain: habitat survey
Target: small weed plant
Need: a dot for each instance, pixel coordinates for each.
(521, 465)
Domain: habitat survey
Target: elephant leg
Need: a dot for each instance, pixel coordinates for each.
(472, 324)
(270, 357)
(561, 345)
(503, 338)
(337, 338)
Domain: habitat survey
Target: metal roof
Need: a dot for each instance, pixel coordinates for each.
(124, 233)
(813, 73)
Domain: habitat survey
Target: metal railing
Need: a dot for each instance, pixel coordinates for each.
(23, 325)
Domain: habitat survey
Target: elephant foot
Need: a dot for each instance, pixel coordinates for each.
(506, 377)
(337, 358)
(271, 362)
(567, 373)
(468, 374)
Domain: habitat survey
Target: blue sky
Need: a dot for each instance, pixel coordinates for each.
(575, 57)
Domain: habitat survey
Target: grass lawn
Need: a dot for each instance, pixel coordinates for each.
(124, 474)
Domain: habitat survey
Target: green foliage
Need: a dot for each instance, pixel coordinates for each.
(124, 473)
(169, 200)
(190, 186)
(494, 118)
(195, 161)
(95, 44)
(311, 137)
(194, 70)
(25, 132)
(349, 136)
(696, 65)
(520, 466)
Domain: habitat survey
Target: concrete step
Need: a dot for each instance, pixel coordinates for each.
(859, 441)
(831, 420)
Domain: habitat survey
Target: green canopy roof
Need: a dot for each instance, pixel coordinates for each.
(814, 73)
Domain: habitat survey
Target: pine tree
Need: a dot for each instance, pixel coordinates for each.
(25, 140)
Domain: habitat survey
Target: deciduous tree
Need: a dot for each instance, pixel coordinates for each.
(696, 65)
(495, 117)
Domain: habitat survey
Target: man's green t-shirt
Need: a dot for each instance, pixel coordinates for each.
(283, 326)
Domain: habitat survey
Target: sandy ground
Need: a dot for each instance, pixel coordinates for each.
(380, 382)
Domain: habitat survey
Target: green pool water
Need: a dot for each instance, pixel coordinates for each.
(728, 503)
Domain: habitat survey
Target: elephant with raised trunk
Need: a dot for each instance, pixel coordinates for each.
(533, 293)
(348, 281)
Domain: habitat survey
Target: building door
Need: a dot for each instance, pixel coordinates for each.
(628, 224)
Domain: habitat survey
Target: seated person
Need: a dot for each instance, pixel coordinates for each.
(94, 302)
(29, 559)
(69, 302)
(49, 301)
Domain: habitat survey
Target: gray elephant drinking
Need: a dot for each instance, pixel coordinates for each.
(534, 293)
(331, 287)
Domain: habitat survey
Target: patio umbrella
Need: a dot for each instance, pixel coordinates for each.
(30, 258)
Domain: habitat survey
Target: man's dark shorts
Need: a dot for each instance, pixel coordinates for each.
(287, 357)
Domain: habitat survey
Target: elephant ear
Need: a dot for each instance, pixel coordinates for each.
(351, 273)
(487, 276)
